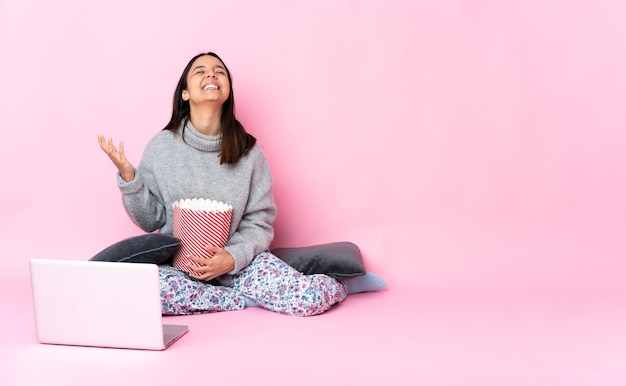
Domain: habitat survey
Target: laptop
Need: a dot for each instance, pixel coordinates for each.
(100, 304)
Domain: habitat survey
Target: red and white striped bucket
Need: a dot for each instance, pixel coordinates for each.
(198, 223)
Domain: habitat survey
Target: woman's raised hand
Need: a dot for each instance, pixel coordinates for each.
(126, 169)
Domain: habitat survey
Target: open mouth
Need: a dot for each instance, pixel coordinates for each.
(210, 87)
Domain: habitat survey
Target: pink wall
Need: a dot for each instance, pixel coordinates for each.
(462, 144)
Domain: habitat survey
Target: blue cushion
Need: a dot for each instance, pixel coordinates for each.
(370, 282)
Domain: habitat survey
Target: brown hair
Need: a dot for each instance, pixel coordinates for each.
(236, 142)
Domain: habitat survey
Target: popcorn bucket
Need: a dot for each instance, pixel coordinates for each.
(197, 223)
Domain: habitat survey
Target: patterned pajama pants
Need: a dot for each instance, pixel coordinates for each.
(269, 281)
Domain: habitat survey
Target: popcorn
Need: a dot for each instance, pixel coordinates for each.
(203, 204)
(199, 222)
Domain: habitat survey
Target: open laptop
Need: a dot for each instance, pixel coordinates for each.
(102, 304)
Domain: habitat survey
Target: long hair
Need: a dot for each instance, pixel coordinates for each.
(236, 142)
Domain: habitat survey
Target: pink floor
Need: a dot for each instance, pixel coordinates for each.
(394, 337)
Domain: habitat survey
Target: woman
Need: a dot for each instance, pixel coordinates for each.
(204, 152)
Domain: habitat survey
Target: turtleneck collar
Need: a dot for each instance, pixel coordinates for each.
(200, 141)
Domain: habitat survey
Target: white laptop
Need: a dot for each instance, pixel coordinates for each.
(102, 304)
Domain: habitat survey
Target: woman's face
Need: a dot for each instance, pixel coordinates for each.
(207, 81)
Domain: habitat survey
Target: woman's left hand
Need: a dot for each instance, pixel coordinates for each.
(220, 263)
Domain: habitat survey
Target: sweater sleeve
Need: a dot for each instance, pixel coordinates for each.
(141, 198)
(255, 231)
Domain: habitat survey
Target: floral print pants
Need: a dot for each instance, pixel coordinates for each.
(269, 281)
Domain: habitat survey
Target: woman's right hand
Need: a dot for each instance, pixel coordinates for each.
(126, 169)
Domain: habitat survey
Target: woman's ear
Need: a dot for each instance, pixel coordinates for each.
(185, 95)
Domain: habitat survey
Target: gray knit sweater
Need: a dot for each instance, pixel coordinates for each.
(173, 169)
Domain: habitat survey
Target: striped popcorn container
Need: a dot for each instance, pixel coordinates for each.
(197, 223)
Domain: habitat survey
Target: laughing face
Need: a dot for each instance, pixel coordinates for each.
(207, 82)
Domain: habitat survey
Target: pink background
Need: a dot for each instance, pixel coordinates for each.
(473, 146)
(460, 144)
